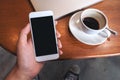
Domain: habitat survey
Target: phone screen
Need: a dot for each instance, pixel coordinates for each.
(44, 35)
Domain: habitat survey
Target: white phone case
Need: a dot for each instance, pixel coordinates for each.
(44, 57)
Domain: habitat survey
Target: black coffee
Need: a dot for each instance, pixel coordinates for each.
(91, 23)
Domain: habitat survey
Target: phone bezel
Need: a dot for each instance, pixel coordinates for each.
(43, 57)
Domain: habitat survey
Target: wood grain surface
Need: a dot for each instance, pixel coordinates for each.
(14, 16)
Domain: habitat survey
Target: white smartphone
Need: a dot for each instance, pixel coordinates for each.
(44, 35)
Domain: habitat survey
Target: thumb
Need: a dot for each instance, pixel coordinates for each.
(25, 31)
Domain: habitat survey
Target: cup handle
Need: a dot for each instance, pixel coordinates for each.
(105, 33)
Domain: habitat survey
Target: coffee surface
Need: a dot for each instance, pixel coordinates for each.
(91, 23)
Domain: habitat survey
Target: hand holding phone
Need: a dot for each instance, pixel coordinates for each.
(44, 35)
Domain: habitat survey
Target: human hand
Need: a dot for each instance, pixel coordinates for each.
(26, 66)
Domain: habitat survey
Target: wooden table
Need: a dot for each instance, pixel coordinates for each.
(14, 16)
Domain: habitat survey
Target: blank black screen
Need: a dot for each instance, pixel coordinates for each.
(44, 35)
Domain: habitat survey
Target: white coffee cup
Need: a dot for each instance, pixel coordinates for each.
(98, 16)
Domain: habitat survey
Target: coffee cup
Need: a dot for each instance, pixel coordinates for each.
(94, 22)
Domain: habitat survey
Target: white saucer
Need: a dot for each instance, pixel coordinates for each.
(75, 27)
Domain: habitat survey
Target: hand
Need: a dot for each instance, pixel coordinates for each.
(27, 67)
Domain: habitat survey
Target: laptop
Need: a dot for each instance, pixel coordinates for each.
(62, 7)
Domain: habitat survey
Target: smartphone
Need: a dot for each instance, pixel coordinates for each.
(44, 35)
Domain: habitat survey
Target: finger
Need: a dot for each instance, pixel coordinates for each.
(58, 34)
(56, 22)
(26, 30)
(59, 44)
(24, 33)
(30, 41)
(60, 52)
